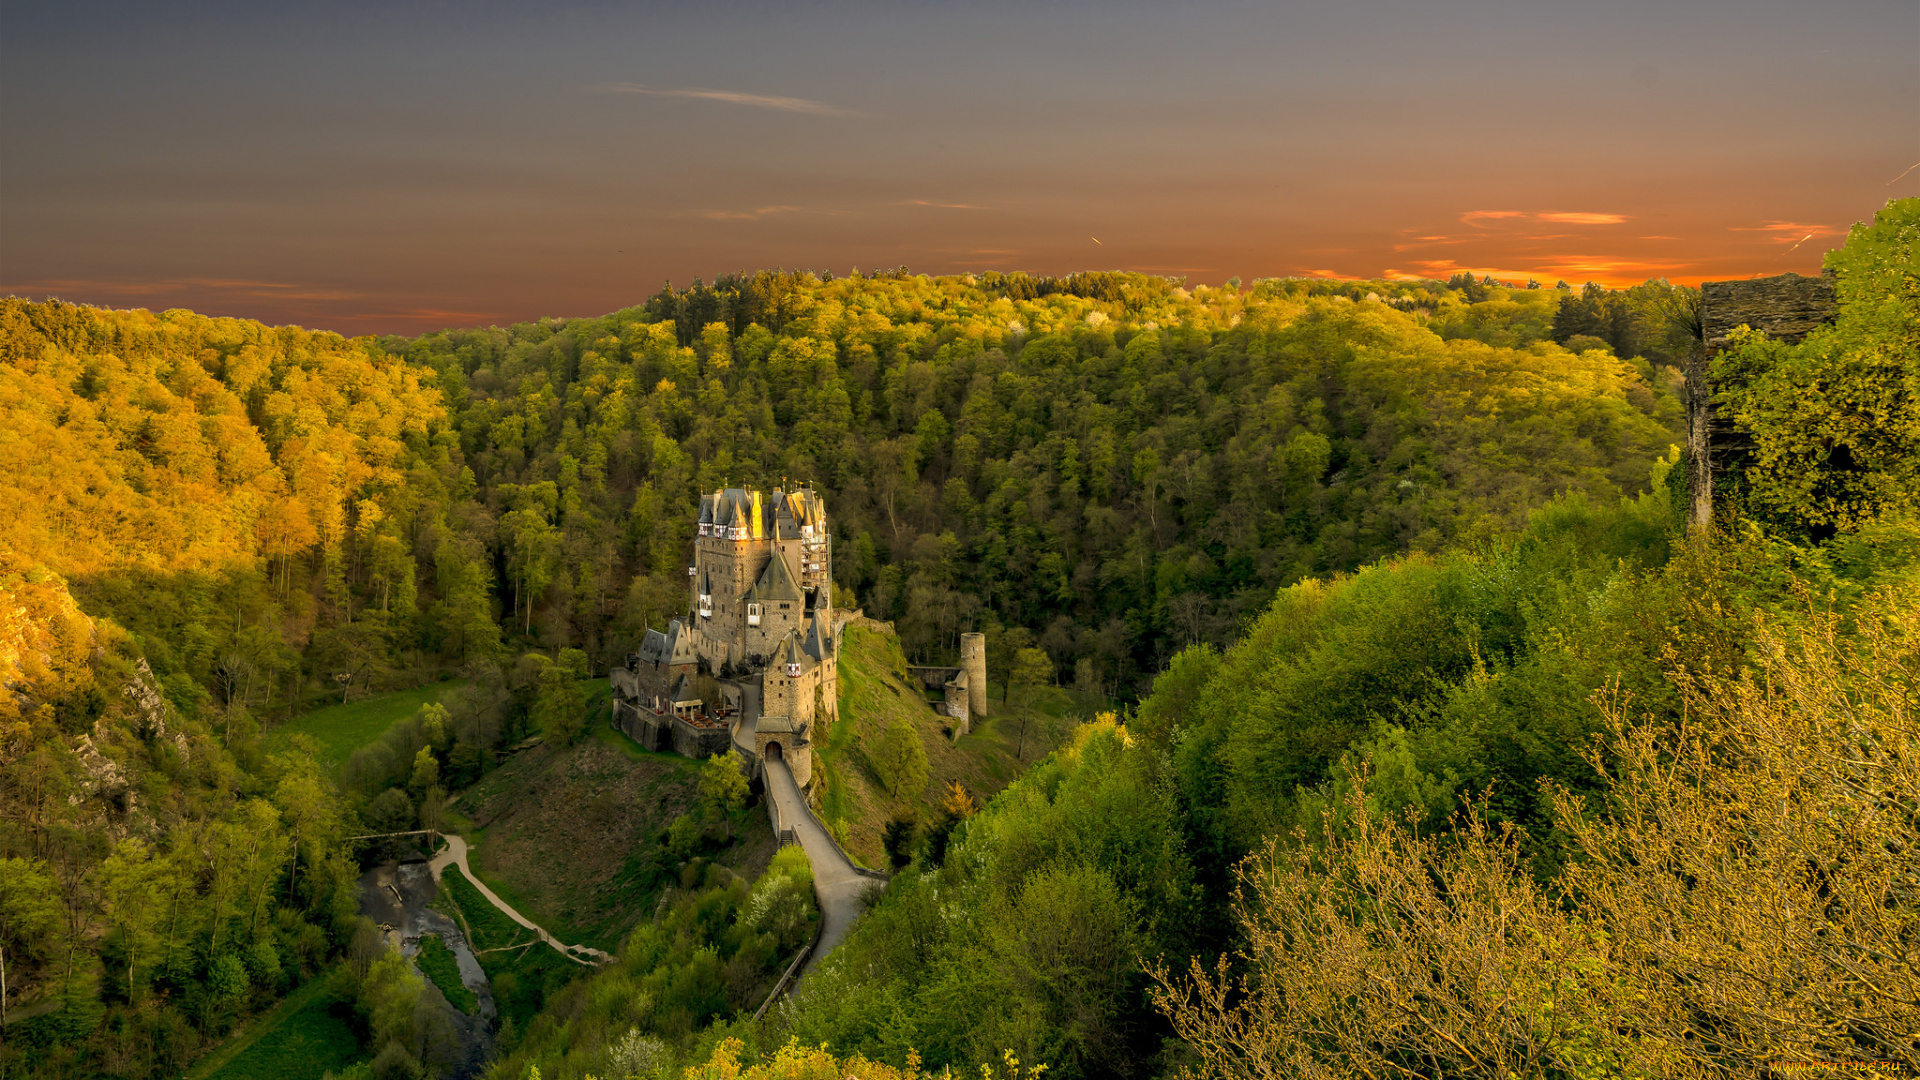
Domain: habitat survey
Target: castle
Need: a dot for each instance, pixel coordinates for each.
(754, 663)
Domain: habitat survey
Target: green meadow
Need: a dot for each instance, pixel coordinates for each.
(299, 1040)
(341, 729)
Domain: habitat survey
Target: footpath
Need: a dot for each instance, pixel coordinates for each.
(456, 855)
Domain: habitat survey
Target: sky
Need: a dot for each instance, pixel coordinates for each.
(400, 167)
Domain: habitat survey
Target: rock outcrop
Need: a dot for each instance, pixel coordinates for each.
(1787, 306)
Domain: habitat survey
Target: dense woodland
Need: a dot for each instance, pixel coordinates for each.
(1395, 571)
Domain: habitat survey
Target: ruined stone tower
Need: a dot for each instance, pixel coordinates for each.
(973, 661)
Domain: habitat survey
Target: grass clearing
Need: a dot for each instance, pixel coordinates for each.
(523, 970)
(438, 963)
(300, 1039)
(487, 926)
(599, 809)
(524, 979)
(342, 729)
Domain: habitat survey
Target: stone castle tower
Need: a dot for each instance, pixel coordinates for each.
(756, 654)
(973, 661)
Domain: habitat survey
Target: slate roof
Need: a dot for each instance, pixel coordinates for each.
(683, 692)
(780, 515)
(789, 652)
(654, 648)
(818, 644)
(776, 582)
(679, 644)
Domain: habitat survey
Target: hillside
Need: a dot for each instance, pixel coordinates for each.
(877, 693)
(576, 836)
(1589, 765)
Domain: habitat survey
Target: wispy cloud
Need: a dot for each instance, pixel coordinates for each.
(1788, 232)
(1608, 270)
(763, 212)
(1582, 218)
(732, 97)
(1477, 218)
(938, 205)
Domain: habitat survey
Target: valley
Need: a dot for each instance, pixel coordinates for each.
(1399, 677)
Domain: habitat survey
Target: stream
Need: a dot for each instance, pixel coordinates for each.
(395, 897)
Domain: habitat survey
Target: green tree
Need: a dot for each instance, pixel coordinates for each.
(1031, 668)
(28, 914)
(1835, 419)
(722, 787)
(390, 811)
(897, 840)
(900, 760)
(425, 773)
(560, 709)
(534, 546)
(130, 884)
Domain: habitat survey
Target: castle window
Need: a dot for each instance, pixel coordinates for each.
(785, 606)
(706, 606)
(753, 614)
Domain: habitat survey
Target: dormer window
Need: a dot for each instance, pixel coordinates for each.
(793, 671)
(753, 614)
(706, 605)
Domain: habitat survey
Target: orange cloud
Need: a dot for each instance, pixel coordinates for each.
(1575, 218)
(1789, 232)
(1475, 217)
(764, 211)
(1611, 272)
(937, 205)
(1564, 217)
(1442, 269)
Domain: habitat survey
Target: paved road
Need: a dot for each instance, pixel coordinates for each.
(842, 890)
(456, 854)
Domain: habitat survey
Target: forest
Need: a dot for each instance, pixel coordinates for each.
(1389, 582)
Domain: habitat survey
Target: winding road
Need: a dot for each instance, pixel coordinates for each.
(456, 855)
(841, 888)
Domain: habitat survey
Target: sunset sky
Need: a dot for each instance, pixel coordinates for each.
(399, 167)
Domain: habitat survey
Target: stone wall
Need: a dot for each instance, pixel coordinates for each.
(933, 676)
(662, 733)
(690, 740)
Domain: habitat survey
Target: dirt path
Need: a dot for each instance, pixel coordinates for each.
(456, 855)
